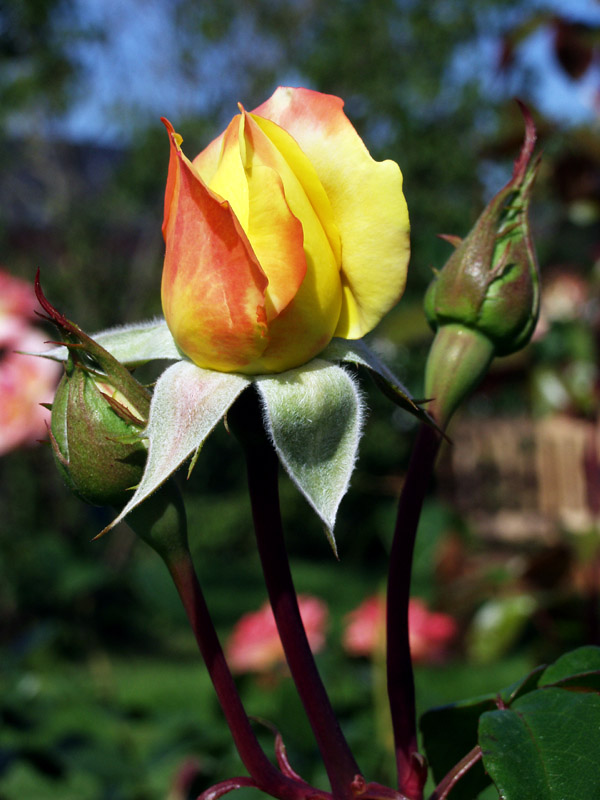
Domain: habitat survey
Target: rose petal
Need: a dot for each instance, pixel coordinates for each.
(257, 196)
(213, 287)
(304, 191)
(366, 198)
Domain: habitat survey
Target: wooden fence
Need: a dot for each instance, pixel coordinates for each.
(519, 478)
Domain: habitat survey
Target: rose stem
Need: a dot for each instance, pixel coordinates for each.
(262, 468)
(401, 687)
(161, 523)
(442, 790)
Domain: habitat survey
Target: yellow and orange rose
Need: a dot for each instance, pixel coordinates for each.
(280, 235)
(285, 240)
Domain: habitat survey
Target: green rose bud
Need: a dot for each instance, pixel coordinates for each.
(98, 414)
(485, 300)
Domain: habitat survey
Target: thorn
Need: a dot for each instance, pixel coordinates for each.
(219, 789)
(455, 241)
(55, 448)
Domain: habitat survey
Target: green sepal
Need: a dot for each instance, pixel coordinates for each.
(314, 417)
(132, 345)
(186, 405)
(357, 352)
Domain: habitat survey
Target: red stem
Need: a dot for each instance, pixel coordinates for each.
(262, 466)
(401, 689)
(263, 772)
(442, 790)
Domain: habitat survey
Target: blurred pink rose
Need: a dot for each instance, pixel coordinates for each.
(254, 644)
(364, 633)
(431, 632)
(17, 298)
(25, 381)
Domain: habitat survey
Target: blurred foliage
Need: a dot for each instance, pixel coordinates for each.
(102, 693)
(35, 66)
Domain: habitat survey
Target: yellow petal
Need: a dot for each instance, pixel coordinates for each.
(367, 201)
(276, 237)
(306, 326)
(207, 161)
(229, 179)
(257, 197)
(308, 179)
(296, 174)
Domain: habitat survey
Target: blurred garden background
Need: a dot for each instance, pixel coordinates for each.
(102, 693)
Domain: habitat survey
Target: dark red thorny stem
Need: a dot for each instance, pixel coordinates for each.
(401, 690)
(265, 776)
(262, 467)
(346, 781)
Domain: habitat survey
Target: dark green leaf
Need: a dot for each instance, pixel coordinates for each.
(545, 745)
(451, 731)
(577, 662)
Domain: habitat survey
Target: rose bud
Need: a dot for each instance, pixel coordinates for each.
(485, 301)
(280, 235)
(98, 414)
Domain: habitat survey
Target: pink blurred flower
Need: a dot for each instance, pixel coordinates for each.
(364, 633)
(431, 632)
(25, 381)
(254, 644)
(17, 298)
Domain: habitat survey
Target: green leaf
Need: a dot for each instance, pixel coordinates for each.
(545, 745)
(357, 352)
(450, 732)
(187, 403)
(314, 416)
(132, 344)
(573, 666)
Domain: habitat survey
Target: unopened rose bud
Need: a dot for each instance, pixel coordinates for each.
(485, 300)
(280, 235)
(98, 414)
